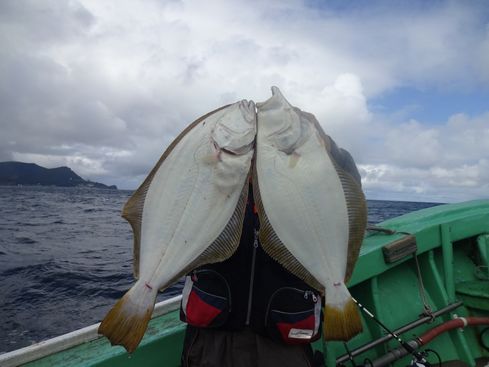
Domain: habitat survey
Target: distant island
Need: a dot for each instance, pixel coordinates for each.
(19, 173)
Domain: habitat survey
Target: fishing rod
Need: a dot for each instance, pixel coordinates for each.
(401, 330)
(419, 357)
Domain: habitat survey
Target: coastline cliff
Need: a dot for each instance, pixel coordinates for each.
(19, 173)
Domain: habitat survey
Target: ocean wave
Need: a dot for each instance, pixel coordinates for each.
(25, 240)
(66, 256)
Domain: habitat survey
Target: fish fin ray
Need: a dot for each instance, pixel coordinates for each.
(341, 323)
(228, 241)
(339, 155)
(274, 247)
(357, 218)
(133, 209)
(126, 323)
(352, 189)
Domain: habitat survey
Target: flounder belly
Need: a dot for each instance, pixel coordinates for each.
(304, 202)
(191, 200)
(189, 211)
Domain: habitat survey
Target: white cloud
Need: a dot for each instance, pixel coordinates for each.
(413, 145)
(436, 184)
(342, 110)
(113, 82)
(447, 162)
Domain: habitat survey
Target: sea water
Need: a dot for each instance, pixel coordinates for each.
(66, 257)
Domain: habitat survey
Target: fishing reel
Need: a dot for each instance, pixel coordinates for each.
(420, 359)
(417, 363)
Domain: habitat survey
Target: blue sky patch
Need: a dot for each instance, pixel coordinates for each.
(431, 106)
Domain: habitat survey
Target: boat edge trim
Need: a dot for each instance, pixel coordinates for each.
(57, 344)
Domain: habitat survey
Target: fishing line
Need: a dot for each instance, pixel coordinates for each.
(481, 337)
(350, 356)
(405, 345)
(427, 351)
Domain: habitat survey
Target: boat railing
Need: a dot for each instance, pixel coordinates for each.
(57, 344)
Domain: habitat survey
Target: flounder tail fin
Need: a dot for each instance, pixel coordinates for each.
(342, 320)
(127, 321)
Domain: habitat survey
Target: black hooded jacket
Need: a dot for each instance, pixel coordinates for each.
(259, 289)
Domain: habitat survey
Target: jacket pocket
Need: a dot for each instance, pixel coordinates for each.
(206, 299)
(293, 316)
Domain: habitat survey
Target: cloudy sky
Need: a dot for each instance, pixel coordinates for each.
(104, 86)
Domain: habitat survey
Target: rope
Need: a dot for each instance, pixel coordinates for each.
(385, 230)
(427, 311)
(380, 229)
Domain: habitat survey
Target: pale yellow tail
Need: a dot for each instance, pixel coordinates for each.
(127, 321)
(341, 323)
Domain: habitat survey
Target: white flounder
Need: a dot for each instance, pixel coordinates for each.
(311, 206)
(188, 212)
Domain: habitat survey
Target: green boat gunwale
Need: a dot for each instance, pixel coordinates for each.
(72, 339)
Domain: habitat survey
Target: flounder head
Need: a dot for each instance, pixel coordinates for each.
(282, 123)
(236, 129)
(233, 139)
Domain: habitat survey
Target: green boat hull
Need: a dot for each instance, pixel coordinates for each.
(450, 268)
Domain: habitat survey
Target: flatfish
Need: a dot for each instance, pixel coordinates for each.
(188, 212)
(311, 206)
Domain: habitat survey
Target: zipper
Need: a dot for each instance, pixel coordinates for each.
(210, 294)
(252, 277)
(196, 273)
(306, 296)
(293, 313)
(313, 296)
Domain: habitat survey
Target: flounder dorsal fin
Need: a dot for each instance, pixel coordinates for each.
(352, 188)
(133, 209)
(357, 218)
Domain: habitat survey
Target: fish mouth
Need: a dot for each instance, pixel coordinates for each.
(235, 132)
(281, 122)
(248, 110)
(229, 149)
